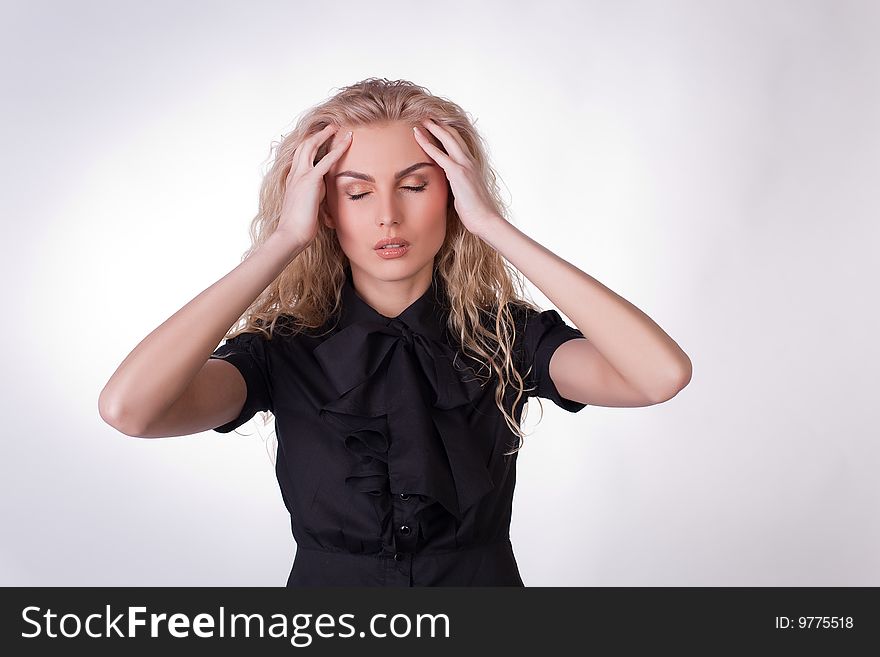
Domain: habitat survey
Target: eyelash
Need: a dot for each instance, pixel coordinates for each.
(358, 197)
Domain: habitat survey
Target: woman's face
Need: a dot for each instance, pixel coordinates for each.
(367, 199)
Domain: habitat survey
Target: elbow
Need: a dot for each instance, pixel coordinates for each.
(677, 382)
(684, 374)
(113, 413)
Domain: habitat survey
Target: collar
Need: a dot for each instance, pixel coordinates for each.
(425, 315)
(400, 406)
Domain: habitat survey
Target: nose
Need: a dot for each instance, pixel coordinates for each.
(387, 210)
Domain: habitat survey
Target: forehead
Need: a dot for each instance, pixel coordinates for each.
(380, 150)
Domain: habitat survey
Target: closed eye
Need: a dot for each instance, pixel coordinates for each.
(356, 197)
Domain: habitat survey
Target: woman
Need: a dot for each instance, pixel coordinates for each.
(381, 326)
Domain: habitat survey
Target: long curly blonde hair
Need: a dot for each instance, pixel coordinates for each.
(480, 285)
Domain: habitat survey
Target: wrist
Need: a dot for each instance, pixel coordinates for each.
(490, 227)
(284, 245)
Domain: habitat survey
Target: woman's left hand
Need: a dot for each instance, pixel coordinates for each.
(472, 204)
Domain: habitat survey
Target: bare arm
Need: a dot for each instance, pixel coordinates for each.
(159, 369)
(153, 392)
(622, 346)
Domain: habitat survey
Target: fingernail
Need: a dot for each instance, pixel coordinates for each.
(348, 134)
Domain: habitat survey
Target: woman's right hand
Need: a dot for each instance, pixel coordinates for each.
(305, 188)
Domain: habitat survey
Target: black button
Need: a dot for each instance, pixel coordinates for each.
(404, 496)
(405, 530)
(398, 556)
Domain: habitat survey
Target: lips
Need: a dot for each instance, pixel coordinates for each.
(390, 240)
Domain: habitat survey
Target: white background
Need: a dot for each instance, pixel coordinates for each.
(715, 163)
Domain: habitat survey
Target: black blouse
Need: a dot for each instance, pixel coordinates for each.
(390, 453)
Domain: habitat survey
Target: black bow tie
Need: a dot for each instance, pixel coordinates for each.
(399, 403)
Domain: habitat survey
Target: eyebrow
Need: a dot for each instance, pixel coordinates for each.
(397, 176)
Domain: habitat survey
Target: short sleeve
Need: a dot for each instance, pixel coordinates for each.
(247, 351)
(542, 333)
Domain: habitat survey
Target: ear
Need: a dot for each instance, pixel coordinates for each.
(325, 216)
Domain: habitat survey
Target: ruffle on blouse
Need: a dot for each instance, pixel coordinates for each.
(397, 391)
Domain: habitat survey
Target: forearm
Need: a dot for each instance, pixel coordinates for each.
(163, 364)
(641, 352)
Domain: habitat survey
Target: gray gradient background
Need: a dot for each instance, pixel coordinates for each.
(715, 163)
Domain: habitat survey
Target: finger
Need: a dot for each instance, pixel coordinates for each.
(310, 146)
(320, 138)
(449, 143)
(322, 167)
(439, 156)
(456, 135)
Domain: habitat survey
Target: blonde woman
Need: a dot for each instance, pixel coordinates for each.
(375, 317)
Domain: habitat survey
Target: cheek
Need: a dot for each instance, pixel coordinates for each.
(436, 226)
(436, 201)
